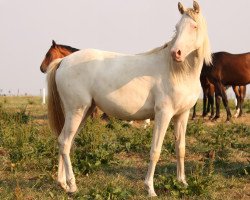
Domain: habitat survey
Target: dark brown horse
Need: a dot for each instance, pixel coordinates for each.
(208, 98)
(227, 70)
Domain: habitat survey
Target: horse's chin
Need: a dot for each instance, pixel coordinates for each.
(178, 60)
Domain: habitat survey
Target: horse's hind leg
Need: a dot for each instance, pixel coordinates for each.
(61, 179)
(225, 102)
(242, 97)
(73, 119)
(61, 169)
(236, 90)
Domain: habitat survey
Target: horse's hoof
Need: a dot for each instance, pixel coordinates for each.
(152, 194)
(183, 182)
(71, 190)
(150, 189)
(215, 118)
(64, 186)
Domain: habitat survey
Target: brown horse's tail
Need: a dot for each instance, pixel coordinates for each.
(55, 109)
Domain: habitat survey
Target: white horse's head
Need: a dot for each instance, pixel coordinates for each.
(191, 34)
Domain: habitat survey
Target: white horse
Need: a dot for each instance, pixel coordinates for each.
(161, 84)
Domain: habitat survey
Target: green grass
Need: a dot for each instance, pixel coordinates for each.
(110, 159)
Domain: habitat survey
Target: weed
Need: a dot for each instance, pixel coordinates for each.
(111, 192)
(199, 184)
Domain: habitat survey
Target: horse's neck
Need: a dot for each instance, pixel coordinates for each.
(189, 69)
(66, 52)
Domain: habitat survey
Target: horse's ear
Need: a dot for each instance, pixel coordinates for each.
(196, 7)
(53, 43)
(181, 8)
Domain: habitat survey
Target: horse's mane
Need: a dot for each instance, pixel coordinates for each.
(205, 49)
(157, 49)
(69, 48)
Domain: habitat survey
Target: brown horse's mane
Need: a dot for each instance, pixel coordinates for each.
(69, 48)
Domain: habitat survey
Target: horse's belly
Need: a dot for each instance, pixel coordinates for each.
(127, 102)
(124, 112)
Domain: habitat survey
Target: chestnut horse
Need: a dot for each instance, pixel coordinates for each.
(163, 83)
(228, 70)
(56, 51)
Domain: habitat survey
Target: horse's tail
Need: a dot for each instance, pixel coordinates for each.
(55, 109)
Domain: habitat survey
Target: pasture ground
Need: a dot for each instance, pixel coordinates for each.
(110, 158)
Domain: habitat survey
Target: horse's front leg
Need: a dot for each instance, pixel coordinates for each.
(162, 119)
(180, 125)
(211, 102)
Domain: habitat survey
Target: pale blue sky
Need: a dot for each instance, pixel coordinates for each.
(128, 26)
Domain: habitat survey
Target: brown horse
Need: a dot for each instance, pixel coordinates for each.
(228, 69)
(208, 98)
(56, 51)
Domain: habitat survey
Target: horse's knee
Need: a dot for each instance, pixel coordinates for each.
(180, 150)
(154, 156)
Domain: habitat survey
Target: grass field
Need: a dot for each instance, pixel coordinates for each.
(110, 158)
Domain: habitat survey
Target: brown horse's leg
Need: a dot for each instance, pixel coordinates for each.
(204, 104)
(217, 105)
(211, 103)
(225, 101)
(242, 92)
(236, 90)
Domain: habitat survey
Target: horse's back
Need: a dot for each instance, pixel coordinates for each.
(115, 82)
(231, 68)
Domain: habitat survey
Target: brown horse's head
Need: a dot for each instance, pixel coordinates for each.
(55, 51)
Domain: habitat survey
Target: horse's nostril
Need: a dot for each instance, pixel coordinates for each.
(179, 52)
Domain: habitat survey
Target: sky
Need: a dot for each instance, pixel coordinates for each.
(126, 26)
